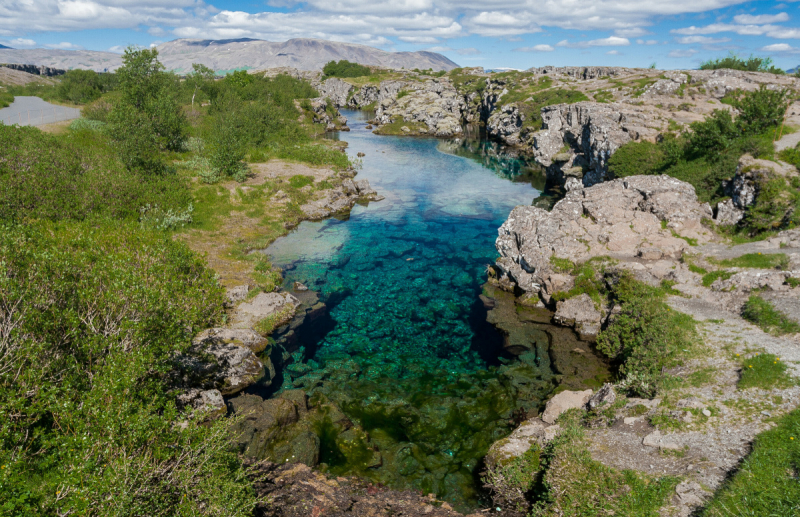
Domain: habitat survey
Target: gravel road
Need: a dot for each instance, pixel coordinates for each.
(33, 111)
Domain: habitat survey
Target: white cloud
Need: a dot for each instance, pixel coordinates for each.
(635, 32)
(64, 45)
(689, 52)
(705, 40)
(647, 42)
(613, 53)
(783, 48)
(22, 42)
(359, 21)
(747, 19)
(611, 41)
(117, 49)
(535, 48)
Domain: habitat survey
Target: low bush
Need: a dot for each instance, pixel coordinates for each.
(758, 260)
(645, 337)
(734, 62)
(92, 317)
(631, 160)
(76, 176)
(345, 69)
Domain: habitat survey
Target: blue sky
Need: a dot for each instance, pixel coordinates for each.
(488, 33)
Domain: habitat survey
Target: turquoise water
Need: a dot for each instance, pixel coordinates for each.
(406, 353)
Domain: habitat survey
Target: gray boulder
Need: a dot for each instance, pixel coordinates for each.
(562, 402)
(581, 314)
(264, 305)
(530, 432)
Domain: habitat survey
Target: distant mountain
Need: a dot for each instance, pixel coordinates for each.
(3, 46)
(227, 55)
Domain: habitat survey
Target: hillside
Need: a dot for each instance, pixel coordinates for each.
(178, 55)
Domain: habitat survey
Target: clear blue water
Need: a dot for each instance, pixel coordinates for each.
(406, 353)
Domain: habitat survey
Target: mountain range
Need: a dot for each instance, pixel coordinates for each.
(235, 54)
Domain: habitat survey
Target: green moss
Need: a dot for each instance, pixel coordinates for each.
(561, 265)
(761, 312)
(574, 485)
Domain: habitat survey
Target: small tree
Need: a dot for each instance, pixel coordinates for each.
(202, 78)
(147, 119)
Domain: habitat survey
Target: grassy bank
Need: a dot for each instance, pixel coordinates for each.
(98, 294)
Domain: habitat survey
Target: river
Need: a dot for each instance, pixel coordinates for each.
(405, 351)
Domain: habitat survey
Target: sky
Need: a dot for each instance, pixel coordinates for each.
(488, 33)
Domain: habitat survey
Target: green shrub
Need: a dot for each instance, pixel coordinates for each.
(82, 86)
(636, 158)
(84, 124)
(713, 135)
(6, 98)
(98, 311)
(734, 62)
(147, 119)
(76, 176)
(345, 69)
(760, 312)
(300, 181)
(765, 371)
(760, 110)
(645, 337)
(766, 481)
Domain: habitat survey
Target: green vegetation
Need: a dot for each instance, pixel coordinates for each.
(710, 153)
(710, 278)
(77, 177)
(758, 260)
(468, 84)
(85, 405)
(761, 313)
(344, 69)
(83, 86)
(97, 298)
(6, 97)
(734, 62)
(532, 109)
(511, 482)
(575, 485)
(645, 337)
(766, 481)
(765, 371)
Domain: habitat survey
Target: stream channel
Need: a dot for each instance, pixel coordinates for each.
(405, 350)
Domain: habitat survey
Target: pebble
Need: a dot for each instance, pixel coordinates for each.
(706, 412)
(630, 420)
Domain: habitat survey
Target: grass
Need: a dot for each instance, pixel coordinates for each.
(267, 325)
(765, 371)
(766, 483)
(757, 260)
(710, 278)
(575, 485)
(761, 313)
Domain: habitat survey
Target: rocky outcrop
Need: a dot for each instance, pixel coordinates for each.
(295, 490)
(434, 106)
(36, 70)
(592, 132)
(218, 361)
(531, 432)
(340, 200)
(640, 218)
(265, 305)
(322, 115)
(583, 73)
